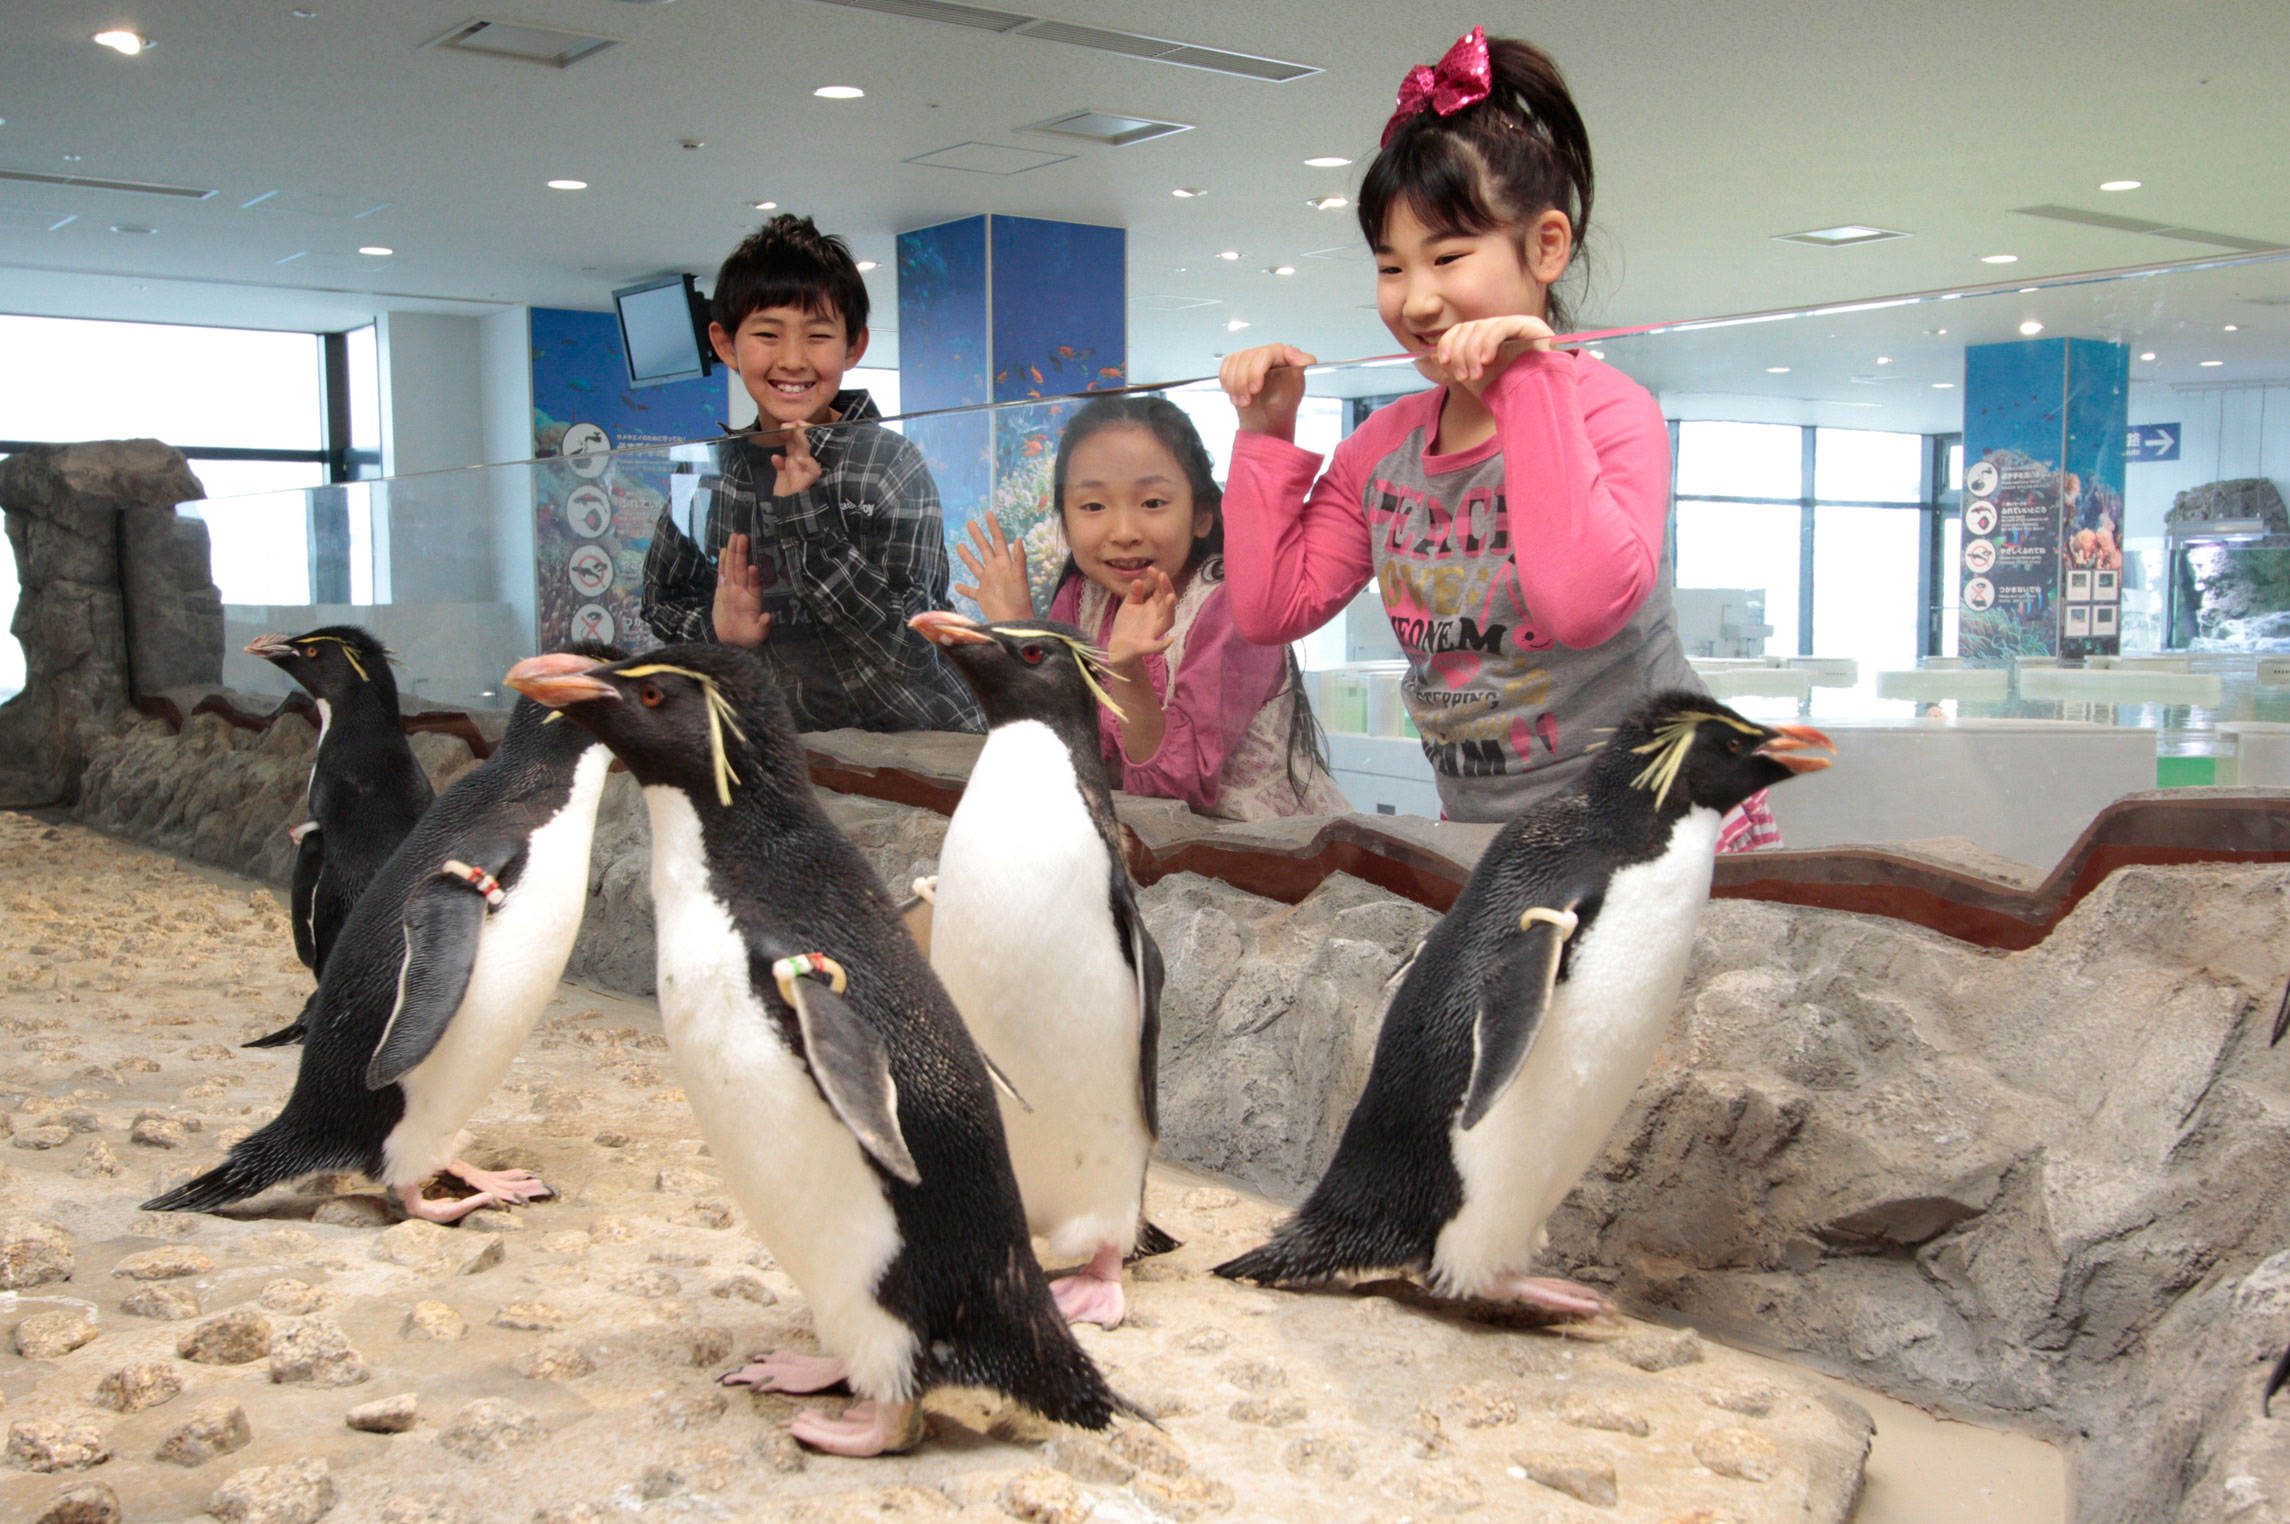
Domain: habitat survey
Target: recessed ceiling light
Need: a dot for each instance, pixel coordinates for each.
(1999, 259)
(71, 158)
(2149, 355)
(1327, 161)
(377, 251)
(1884, 359)
(1228, 254)
(1944, 386)
(1187, 192)
(839, 92)
(2031, 328)
(2118, 185)
(123, 42)
(765, 206)
(866, 264)
(132, 227)
(1327, 203)
(568, 185)
(1777, 370)
(1235, 325)
(2206, 364)
(302, 15)
(1840, 236)
(1280, 270)
(2233, 328)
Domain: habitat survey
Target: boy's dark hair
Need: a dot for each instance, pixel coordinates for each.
(1494, 165)
(789, 263)
(1170, 425)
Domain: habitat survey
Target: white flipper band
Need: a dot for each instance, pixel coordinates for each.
(1564, 920)
(788, 970)
(296, 833)
(926, 889)
(476, 878)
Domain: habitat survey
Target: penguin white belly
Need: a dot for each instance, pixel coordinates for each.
(521, 953)
(1022, 934)
(1595, 1045)
(797, 1172)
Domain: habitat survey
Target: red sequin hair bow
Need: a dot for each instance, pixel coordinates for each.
(1461, 78)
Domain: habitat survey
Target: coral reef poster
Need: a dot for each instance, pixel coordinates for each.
(593, 510)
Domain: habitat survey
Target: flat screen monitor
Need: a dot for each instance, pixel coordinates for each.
(662, 332)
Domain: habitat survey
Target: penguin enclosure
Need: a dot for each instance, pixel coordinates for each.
(1934, 1185)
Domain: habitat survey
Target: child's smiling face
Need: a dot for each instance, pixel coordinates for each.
(1430, 279)
(790, 361)
(1129, 508)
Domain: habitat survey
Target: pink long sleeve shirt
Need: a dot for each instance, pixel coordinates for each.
(1522, 576)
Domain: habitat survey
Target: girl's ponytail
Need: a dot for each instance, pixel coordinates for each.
(1482, 162)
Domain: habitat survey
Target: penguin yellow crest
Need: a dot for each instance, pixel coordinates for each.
(1090, 659)
(349, 650)
(1672, 740)
(719, 718)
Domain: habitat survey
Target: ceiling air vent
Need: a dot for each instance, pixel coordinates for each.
(2078, 215)
(89, 182)
(988, 158)
(1110, 127)
(1841, 236)
(1098, 39)
(523, 42)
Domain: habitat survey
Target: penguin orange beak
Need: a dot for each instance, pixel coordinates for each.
(560, 678)
(269, 647)
(943, 627)
(1788, 747)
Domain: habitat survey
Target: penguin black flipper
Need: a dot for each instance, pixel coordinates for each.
(850, 1064)
(444, 917)
(1512, 1002)
(2274, 1381)
(1143, 955)
(309, 862)
(293, 1031)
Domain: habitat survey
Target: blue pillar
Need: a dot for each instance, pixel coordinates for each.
(1006, 309)
(2042, 559)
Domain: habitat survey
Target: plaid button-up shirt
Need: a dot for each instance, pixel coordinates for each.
(844, 565)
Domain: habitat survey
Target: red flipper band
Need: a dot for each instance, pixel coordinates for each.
(476, 878)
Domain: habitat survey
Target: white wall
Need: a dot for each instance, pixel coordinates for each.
(505, 382)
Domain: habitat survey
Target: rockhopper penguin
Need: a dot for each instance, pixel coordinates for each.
(365, 790)
(850, 1113)
(1530, 1014)
(1036, 932)
(448, 958)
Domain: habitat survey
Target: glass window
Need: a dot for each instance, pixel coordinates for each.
(258, 527)
(880, 382)
(365, 397)
(1946, 574)
(1861, 465)
(1749, 545)
(1864, 584)
(234, 388)
(1740, 460)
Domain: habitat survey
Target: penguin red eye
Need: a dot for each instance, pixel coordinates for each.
(649, 695)
(1032, 654)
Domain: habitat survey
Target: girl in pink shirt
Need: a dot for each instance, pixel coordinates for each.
(1513, 517)
(1206, 716)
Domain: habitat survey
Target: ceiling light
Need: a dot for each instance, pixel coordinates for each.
(1840, 236)
(1999, 259)
(1228, 254)
(2031, 328)
(1187, 192)
(132, 227)
(376, 251)
(1598, 354)
(765, 206)
(1777, 370)
(1884, 359)
(1280, 270)
(2118, 185)
(302, 15)
(2207, 364)
(1327, 161)
(1944, 386)
(2233, 328)
(866, 265)
(568, 185)
(1327, 203)
(839, 92)
(1235, 325)
(2149, 355)
(122, 42)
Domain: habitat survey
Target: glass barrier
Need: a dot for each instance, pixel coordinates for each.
(2051, 504)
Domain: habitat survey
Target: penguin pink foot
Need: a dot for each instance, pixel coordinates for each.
(447, 1209)
(510, 1187)
(1093, 1293)
(1562, 1297)
(864, 1428)
(783, 1370)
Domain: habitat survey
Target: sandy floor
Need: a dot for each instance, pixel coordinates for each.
(601, 1318)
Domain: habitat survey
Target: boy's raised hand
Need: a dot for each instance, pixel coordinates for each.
(1266, 384)
(738, 614)
(1142, 623)
(998, 582)
(798, 468)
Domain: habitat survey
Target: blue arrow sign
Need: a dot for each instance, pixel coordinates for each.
(2152, 441)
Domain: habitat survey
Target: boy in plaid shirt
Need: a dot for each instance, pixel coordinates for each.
(821, 549)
